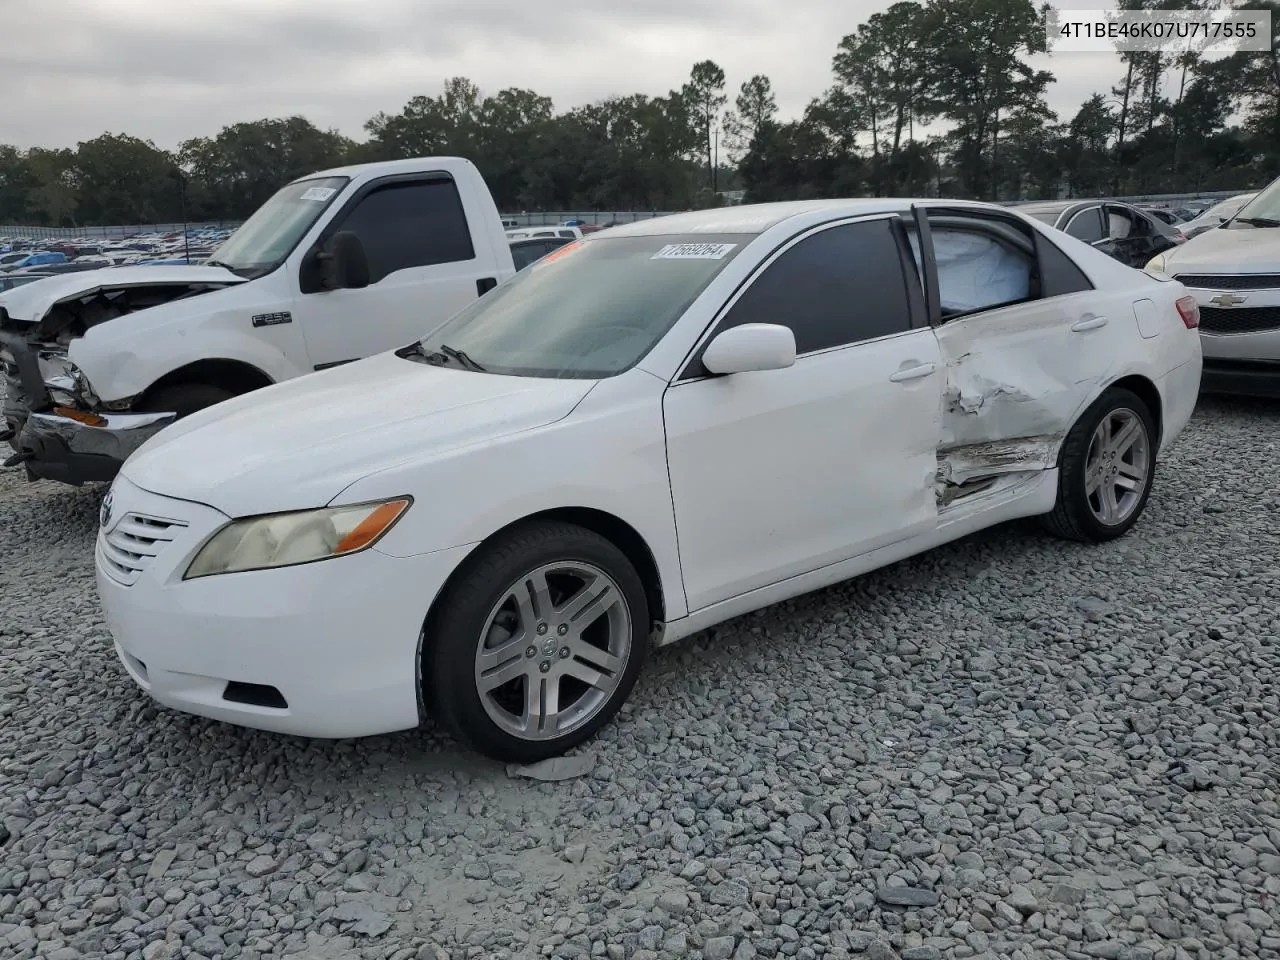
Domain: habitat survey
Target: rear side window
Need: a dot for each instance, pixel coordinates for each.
(404, 225)
(838, 286)
(526, 253)
(1086, 225)
(1059, 274)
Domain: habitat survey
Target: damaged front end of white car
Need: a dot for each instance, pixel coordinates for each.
(52, 418)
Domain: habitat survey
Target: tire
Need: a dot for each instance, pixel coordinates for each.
(184, 398)
(489, 602)
(1080, 514)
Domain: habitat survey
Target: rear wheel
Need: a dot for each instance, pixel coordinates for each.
(537, 643)
(184, 399)
(1105, 470)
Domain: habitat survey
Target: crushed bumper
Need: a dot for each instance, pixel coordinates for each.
(51, 445)
(55, 447)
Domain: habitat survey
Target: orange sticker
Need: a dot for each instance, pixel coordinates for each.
(557, 254)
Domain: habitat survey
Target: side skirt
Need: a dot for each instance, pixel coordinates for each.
(1033, 496)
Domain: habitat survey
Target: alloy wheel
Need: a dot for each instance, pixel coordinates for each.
(1118, 466)
(553, 650)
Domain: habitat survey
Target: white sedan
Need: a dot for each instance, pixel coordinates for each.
(651, 430)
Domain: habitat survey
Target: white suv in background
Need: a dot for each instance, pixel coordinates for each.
(1233, 271)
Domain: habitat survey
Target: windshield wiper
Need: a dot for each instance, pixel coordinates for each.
(1257, 221)
(219, 263)
(460, 357)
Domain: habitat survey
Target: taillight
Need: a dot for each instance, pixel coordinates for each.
(1189, 311)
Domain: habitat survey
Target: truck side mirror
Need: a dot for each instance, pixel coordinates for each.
(343, 263)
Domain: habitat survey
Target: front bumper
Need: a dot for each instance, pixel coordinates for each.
(1251, 378)
(56, 447)
(327, 649)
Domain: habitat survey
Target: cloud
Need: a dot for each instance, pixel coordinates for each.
(168, 71)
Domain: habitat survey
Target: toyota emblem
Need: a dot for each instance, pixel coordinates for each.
(104, 514)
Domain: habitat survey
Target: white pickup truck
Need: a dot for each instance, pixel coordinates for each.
(336, 266)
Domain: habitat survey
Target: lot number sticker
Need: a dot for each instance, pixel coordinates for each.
(694, 251)
(318, 193)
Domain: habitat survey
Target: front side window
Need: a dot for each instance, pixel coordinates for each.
(1086, 225)
(838, 286)
(588, 310)
(415, 224)
(264, 240)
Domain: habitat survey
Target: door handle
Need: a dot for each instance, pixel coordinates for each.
(1088, 323)
(913, 373)
(485, 284)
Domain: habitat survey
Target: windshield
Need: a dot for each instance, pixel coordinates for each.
(266, 238)
(1262, 210)
(591, 309)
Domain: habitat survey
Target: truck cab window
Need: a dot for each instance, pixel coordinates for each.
(404, 225)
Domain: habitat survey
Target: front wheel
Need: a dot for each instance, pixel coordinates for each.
(184, 399)
(537, 643)
(1105, 470)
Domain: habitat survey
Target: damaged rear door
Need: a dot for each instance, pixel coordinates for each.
(1023, 338)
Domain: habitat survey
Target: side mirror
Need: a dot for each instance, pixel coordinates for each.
(343, 263)
(750, 347)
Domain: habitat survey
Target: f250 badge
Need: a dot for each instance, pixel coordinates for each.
(271, 319)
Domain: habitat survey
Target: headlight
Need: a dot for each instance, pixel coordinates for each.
(1155, 264)
(286, 539)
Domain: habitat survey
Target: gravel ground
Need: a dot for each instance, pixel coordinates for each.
(1010, 747)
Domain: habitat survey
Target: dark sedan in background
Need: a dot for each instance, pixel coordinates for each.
(1119, 230)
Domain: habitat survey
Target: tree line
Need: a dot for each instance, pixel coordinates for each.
(932, 98)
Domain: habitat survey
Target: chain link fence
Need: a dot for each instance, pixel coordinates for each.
(122, 232)
(512, 220)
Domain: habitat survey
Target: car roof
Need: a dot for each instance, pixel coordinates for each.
(756, 218)
(1056, 206)
(453, 165)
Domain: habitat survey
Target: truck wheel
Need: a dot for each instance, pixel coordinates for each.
(537, 644)
(184, 398)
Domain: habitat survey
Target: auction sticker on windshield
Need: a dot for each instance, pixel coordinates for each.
(694, 251)
(554, 255)
(318, 193)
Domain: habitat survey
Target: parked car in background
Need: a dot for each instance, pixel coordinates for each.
(335, 266)
(1119, 230)
(526, 252)
(1163, 214)
(484, 523)
(529, 233)
(1216, 215)
(10, 281)
(37, 259)
(1233, 271)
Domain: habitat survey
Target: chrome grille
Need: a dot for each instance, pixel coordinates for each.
(1235, 281)
(1239, 319)
(133, 543)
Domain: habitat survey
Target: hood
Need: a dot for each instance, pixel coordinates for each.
(31, 301)
(1237, 250)
(300, 443)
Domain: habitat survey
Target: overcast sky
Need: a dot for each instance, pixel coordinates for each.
(167, 71)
